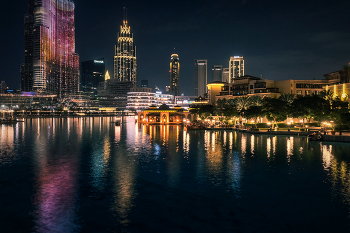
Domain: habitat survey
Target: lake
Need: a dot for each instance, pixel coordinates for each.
(88, 175)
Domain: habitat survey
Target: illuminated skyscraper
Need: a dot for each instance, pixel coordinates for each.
(51, 64)
(236, 66)
(125, 62)
(200, 77)
(174, 74)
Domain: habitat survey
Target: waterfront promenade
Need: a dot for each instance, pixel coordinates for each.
(344, 137)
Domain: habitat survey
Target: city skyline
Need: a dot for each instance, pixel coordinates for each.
(280, 37)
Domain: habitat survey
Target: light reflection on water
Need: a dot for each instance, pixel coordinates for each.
(78, 162)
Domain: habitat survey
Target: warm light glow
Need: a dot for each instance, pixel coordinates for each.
(107, 77)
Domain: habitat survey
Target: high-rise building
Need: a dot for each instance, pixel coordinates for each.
(236, 66)
(216, 73)
(174, 74)
(200, 77)
(125, 62)
(226, 75)
(3, 87)
(51, 64)
(92, 73)
(27, 66)
(144, 83)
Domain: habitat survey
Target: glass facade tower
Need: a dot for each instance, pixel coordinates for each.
(125, 62)
(51, 64)
(174, 74)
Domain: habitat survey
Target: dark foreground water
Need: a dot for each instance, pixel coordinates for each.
(87, 175)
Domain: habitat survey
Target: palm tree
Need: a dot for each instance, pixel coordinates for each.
(255, 100)
(288, 98)
(242, 103)
(327, 95)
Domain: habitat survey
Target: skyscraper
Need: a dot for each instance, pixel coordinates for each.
(236, 66)
(51, 64)
(200, 77)
(174, 74)
(92, 73)
(125, 62)
(226, 75)
(216, 73)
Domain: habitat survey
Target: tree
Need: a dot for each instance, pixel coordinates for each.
(255, 100)
(242, 103)
(308, 107)
(345, 74)
(288, 98)
(275, 110)
(254, 112)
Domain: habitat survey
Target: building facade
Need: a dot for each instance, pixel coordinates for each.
(200, 77)
(138, 99)
(302, 87)
(225, 75)
(174, 75)
(125, 62)
(92, 73)
(184, 101)
(216, 73)
(236, 68)
(51, 64)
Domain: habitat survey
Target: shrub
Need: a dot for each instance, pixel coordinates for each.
(341, 127)
(313, 124)
(262, 125)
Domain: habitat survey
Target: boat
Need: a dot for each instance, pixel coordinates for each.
(315, 136)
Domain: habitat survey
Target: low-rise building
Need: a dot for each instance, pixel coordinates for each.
(184, 101)
(164, 115)
(139, 100)
(302, 87)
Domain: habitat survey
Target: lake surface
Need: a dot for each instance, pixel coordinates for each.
(88, 175)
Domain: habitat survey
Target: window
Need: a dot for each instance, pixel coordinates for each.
(251, 86)
(291, 85)
(307, 92)
(299, 92)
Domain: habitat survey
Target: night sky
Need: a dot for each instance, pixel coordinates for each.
(286, 39)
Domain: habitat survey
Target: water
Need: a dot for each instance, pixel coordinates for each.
(87, 175)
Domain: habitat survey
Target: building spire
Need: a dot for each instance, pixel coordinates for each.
(125, 15)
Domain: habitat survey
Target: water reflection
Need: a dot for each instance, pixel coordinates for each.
(56, 166)
(7, 137)
(82, 162)
(124, 171)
